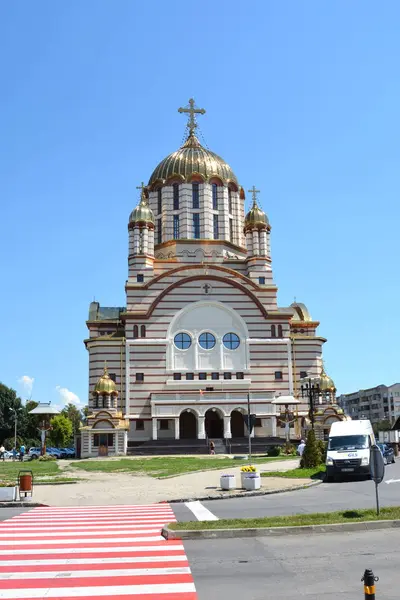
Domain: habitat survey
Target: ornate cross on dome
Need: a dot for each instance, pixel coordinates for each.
(142, 195)
(254, 192)
(192, 112)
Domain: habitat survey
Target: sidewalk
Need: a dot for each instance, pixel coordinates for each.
(103, 489)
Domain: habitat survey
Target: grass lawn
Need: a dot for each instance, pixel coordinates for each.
(168, 465)
(311, 519)
(9, 470)
(315, 473)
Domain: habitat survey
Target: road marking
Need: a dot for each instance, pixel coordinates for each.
(98, 560)
(392, 481)
(201, 512)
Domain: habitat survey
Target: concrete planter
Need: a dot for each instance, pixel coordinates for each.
(244, 474)
(228, 482)
(252, 481)
(7, 494)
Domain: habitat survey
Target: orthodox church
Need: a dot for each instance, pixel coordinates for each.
(201, 329)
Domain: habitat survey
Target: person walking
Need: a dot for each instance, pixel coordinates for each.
(2, 452)
(14, 453)
(212, 447)
(21, 453)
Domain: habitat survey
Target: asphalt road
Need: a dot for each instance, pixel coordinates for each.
(313, 567)
(8, 513)
(321, 498)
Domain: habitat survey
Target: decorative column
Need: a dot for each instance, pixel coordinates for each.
(263, 242)
(273, 423)
(155, 422)
(176, 425)
(90, 443)
(201, 430)
(249, 243)
(227, 427)
(145, 233)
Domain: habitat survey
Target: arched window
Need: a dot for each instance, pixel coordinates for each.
(159, 201)
(195, 195)
(135, 331)
(176, 196)
(230, 200)
(273, 331)
(143, 331)
(214, 196)
(280, 332)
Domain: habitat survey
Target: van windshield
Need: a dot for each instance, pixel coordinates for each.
(348, 442)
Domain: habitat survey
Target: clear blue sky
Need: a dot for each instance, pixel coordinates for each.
(302, 100)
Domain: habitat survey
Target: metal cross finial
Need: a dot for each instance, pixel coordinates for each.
(192, 112)
(142, 194)
(141, 187)
(254, 192)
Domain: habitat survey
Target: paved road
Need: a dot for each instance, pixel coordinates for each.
(92, 552)
(8, 513)
(318, 567)
(322, 498)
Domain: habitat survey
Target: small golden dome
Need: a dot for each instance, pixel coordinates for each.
(256, 217)
(326, 384)
(142, 213)
(192, 159)
(105, 385)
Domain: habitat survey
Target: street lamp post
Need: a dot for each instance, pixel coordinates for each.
(310, 389)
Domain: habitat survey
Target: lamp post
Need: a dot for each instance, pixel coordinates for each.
(310, 389)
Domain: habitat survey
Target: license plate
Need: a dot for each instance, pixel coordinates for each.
(347, 470)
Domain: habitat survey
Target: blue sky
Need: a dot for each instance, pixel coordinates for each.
(302, 100)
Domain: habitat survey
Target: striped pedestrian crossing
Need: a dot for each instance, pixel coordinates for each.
(107, 553)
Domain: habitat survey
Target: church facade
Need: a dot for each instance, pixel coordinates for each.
(201, 328)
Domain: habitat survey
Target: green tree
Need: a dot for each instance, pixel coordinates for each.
(61, 431)
(9, 401)
(74, 415)
(384, 425)
(312, 453)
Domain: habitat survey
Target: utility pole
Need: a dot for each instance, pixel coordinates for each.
(249, 423)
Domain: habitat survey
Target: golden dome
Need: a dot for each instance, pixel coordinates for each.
(105, 385)
(256, 217)
(326, 384)
(142, 213)
(192, 159)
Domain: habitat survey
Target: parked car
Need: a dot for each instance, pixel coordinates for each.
(53, 452)
(388, 453)
(70, 453)
(34, 453)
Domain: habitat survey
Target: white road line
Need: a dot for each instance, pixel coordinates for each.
(152, 538)
(108, 560)
(201, 512)
(65, 573)
(105, 529)
(75, 534)
(97, 591)
(164, 549)
(94, 522)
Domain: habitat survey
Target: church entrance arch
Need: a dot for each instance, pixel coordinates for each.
(214, 424)
(237, 424)
(187, 426)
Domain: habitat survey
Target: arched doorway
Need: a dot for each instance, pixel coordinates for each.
(237, 424)
(187, 426)
(214, 424)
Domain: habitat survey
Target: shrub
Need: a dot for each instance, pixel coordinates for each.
(47, 458)
(312, 453)
(323, 447)
(289, 449)
(274, 451)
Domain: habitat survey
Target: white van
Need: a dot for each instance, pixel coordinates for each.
(349, 448)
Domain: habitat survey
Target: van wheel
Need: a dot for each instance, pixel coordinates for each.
(329, 479)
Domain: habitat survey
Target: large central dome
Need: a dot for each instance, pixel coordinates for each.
(192, 159)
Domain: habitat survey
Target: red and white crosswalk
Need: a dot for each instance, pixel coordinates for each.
(102, 553)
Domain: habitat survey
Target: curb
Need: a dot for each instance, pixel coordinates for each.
(207, 534)
(18, 504)
(244, 494)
